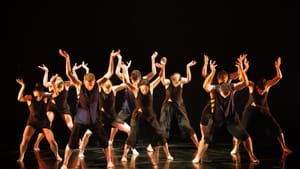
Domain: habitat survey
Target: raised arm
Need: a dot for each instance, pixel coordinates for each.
(153, 72)
(73, 78)
(110, 70)
(21, 97)
(244, 82)
(126, 80)
(117, 88)
(162, 66)
(207, 84)
(235, 75)
(119, 68)
(156, 81)
(188, 77)
(205, 65)
(46, 74)
(278, 76)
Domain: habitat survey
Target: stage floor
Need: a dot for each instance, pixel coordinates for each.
(217, 157)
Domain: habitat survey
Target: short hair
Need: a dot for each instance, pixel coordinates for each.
(136, 74)
(89, 77)
(59, 82)
(143, 82)
(222, 75)
(225, 88)
(107, 84)
(174, 75)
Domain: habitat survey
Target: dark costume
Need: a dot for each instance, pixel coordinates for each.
(144, 112)
(175, 109)
(37, 117)
(59, 104)
(225, 114)
(88, 117)
(259, 111)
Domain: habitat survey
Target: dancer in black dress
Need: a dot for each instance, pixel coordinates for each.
(258, 106)
(37, 119)
(173, 105)
(129, 100)
(58, 104)
(144, 111)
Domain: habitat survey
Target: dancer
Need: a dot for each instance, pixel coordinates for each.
(209, 107)
(129, 100)
(173, 105)
(37, 119)
(87, 115)
(58, 105)
(258, 105)
(108, 93)
(224, 113)
(144, 111)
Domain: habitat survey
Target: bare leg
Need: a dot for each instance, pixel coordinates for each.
(53, 144)
(113, 133)
(201, 150)
(281, 140)
(84, 143)
(68, 153)
(125, 152)
(202, 146)
(27, 135)
(249, 148)
(236, 143)
(68, 120)
(167, 152)
(194, 138)
(108, 155)
(123, 127)
(154, 158)
(40, 136)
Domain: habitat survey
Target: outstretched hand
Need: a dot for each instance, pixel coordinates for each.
(212, 65)
(43, 67)
(63, 53)
(114, 54)
(192, 63)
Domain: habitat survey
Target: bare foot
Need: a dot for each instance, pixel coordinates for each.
(236, 157)
(170, 158)
(233, 151)
(58, 158)
(196, 160)
(124, 159)
(20, 160)
(254, 160)
(36, 148)
(64, 167)
(110, 165)
(287, 151)
(149, 148)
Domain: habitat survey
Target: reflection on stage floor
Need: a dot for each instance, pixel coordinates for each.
(217, 157)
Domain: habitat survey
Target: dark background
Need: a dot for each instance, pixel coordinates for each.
(179, 30)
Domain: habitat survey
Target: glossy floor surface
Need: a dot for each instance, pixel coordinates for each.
(217, 157)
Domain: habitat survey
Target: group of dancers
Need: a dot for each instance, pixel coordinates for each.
(96, 107)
